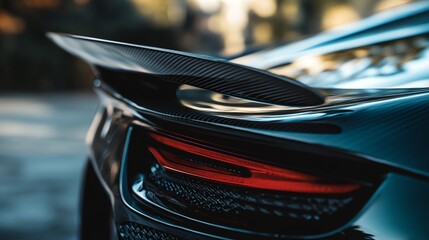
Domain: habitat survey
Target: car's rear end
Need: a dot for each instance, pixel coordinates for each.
(191, 147)
(197, 176)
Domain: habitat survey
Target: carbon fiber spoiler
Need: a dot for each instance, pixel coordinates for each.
(201, 71)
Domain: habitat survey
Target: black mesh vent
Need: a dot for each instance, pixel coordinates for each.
(256, 210)
(221, 199)
(134, 231)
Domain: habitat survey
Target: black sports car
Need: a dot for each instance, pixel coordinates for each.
(326, 138)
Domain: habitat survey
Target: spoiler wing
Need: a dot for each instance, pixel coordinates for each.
(201, 71)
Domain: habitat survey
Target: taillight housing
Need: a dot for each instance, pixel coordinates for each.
(208, 181)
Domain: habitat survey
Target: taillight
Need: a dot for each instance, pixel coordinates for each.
(199, 161)
(216, 180)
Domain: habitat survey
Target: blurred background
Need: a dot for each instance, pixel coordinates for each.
(46, 104)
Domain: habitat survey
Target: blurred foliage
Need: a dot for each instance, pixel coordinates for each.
(30, 62)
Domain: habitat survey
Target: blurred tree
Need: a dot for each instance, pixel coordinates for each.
(30, 62)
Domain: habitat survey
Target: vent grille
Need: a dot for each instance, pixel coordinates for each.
(215, 198)
(243, 208)
(134, 231)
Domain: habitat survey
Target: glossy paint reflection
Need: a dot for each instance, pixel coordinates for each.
(399, 210)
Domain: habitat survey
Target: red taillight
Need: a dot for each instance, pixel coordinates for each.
(261, 176)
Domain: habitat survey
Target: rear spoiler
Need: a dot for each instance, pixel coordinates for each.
(200, 71)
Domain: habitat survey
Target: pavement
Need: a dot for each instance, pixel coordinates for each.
(42, 156)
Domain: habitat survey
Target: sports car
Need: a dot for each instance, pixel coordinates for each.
(324, 138)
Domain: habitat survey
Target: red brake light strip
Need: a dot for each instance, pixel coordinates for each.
(262, 176)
